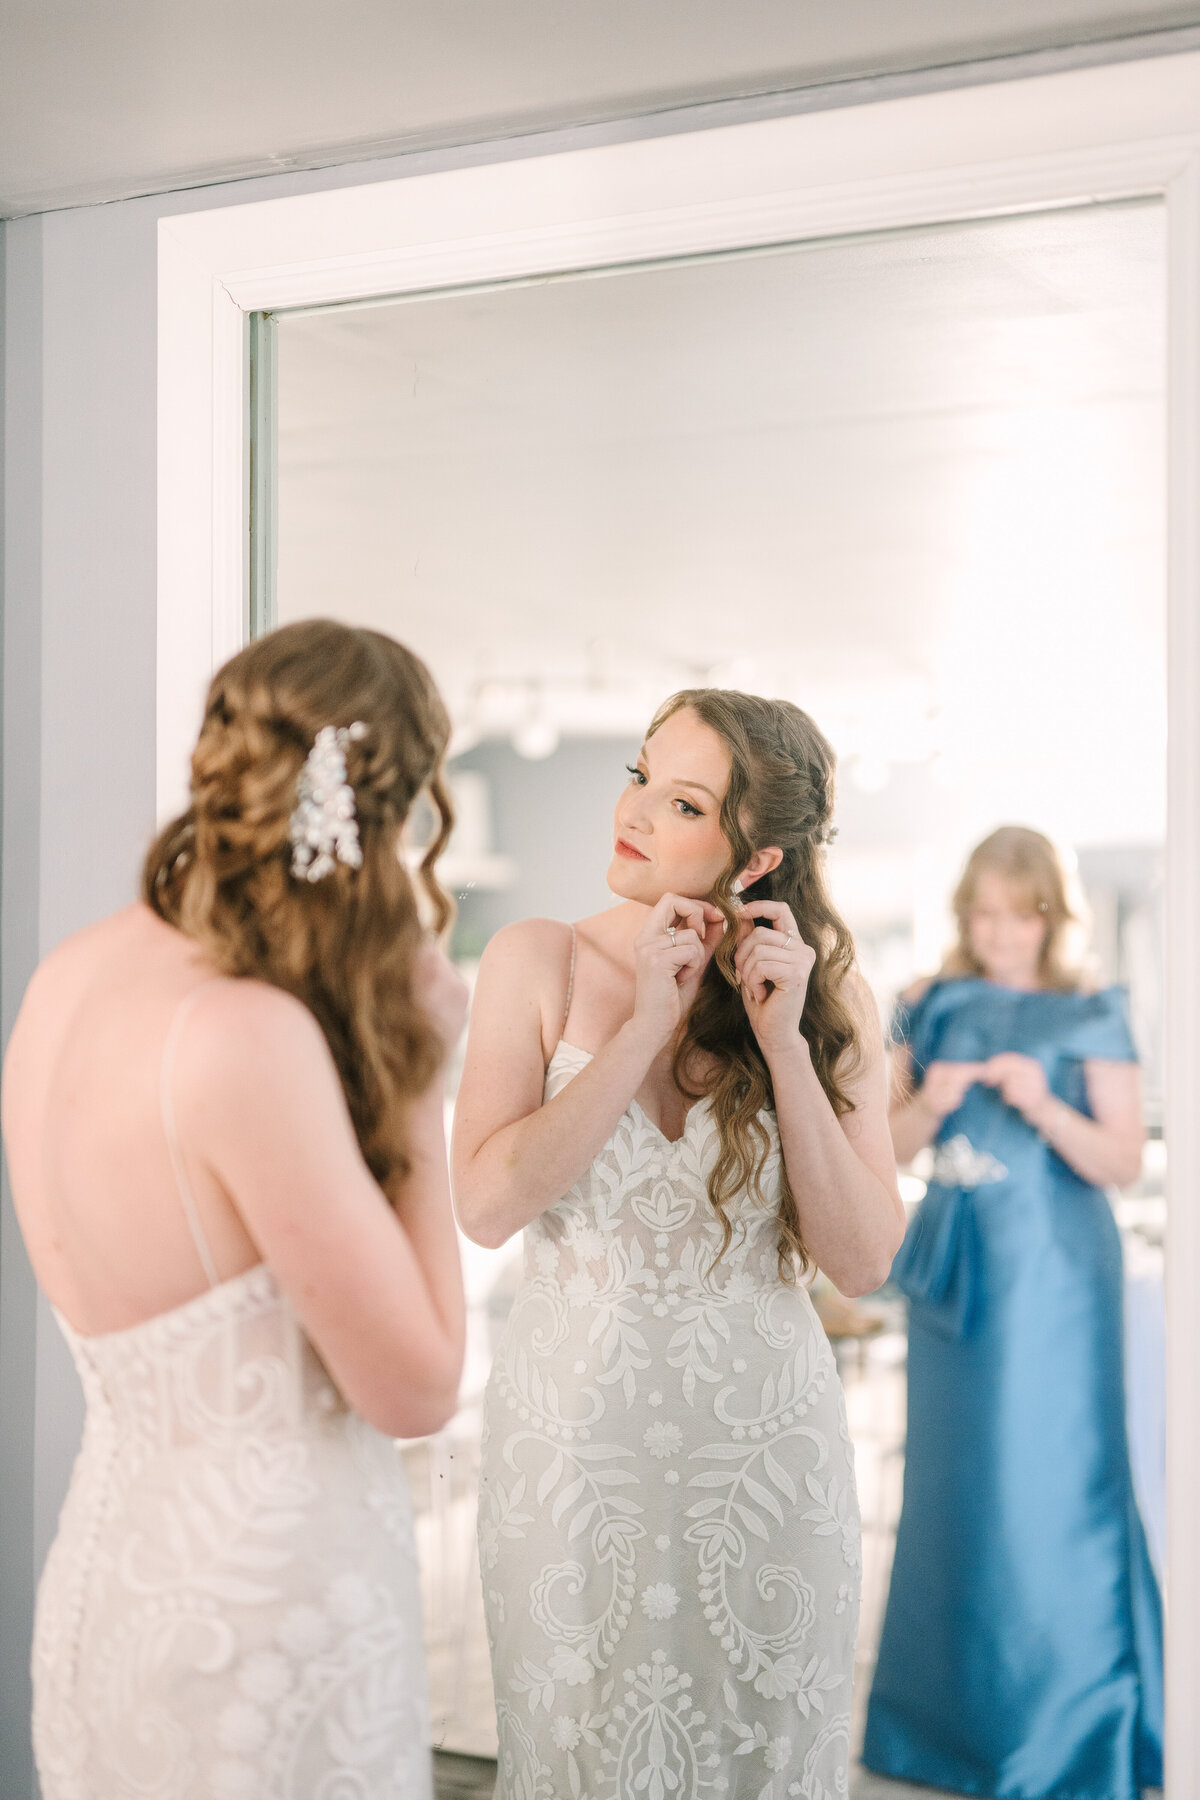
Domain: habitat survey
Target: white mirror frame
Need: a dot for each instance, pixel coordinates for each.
(1094, 135)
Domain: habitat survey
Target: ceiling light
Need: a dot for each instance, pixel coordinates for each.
(536, 737)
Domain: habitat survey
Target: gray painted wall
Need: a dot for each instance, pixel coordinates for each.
(553, 818)
(19, 891)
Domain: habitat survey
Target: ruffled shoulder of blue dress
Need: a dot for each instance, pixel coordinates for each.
(1087, 1023)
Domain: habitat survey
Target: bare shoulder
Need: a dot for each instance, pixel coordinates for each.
(523, 979)
(259, 1009)
(65, 972)
(531, 955)
(860, 998)
(528, 942)
(78, 952)
(251, 1030)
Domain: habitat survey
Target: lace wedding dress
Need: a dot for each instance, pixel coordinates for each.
(230, 1609)
(669, 1529)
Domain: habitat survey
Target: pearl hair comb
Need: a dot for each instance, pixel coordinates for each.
(324, 827)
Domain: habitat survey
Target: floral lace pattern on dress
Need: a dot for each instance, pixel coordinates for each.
(669, 1529)
(230, 1608)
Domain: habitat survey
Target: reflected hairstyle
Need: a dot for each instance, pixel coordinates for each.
(1032, 869)
(780, 792)
(345, 945)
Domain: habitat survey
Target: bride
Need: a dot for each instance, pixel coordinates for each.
(682, 1101)
(223, 1116)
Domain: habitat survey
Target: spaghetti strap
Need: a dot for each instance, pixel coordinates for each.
(570, 983)
(167, 1104)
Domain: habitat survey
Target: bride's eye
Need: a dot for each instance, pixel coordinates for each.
(688, 810)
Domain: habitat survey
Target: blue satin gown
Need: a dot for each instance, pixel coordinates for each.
(1021, 1652)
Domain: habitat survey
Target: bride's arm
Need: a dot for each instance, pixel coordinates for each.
(842, 1172)
(377, 1287)
(513, 1154)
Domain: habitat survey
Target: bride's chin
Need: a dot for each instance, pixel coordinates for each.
(630, 881)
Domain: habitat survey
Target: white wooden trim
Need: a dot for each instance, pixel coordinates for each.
(1182, 1109)
(1096, 134)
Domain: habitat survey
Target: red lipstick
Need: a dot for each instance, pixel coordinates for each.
(624, 848)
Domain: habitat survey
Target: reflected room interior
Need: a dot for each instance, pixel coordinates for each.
(913, 482)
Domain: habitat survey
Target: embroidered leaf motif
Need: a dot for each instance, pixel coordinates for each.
(764, 1497)
(779, 1476)
(567, 1498)
(550, 1479)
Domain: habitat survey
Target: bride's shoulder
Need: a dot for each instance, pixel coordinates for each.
(528, 942)
(524, 973)
(859, 996)
(67, 969)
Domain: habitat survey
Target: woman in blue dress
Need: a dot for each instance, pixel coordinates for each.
(1021, 1654)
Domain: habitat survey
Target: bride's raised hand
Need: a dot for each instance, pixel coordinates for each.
(671, 953)
(440, 992)
(773, 964)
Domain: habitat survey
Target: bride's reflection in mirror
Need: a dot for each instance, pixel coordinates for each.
(665, 1445)
(911, 484)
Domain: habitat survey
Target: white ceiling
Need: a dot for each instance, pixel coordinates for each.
(914, 482)
(100, 101)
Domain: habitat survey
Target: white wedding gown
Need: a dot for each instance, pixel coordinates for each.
(669, 1531)
(230, 1608)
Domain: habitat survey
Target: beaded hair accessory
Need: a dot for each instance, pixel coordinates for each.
(324, 828)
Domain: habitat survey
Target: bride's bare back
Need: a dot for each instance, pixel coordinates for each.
(267, 1150)
(94, 1186)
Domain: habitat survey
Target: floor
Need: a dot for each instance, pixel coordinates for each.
(463, 1777)
(473, 1778)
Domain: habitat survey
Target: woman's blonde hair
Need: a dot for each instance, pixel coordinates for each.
(780, 793)
(344, 945)
(1031, 867)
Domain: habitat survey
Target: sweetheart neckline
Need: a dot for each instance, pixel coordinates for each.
(635, 1104)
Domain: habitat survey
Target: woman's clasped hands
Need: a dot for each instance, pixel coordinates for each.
(1019, 1080)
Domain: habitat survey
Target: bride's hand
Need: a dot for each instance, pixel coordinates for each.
(773, 964)
(440, 992)
(671, 953)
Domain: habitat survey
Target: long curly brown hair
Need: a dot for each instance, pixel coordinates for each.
(780, 793)
(344, 945)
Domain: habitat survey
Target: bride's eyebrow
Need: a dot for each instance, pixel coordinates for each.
(681, 780)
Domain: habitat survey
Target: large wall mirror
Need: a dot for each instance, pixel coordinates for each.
(913, 481)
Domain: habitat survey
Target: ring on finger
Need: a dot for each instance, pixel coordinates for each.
(787, 940)
(671, 934)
